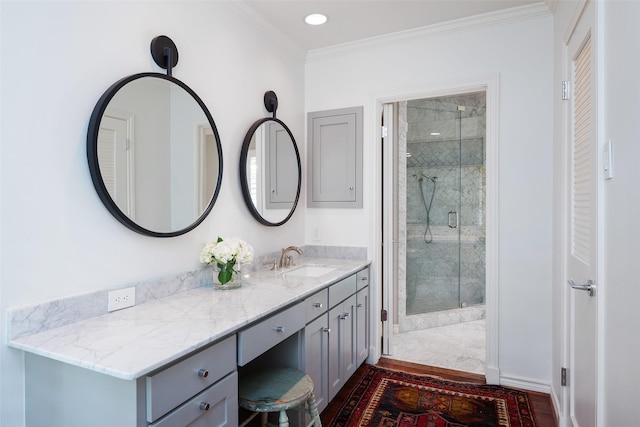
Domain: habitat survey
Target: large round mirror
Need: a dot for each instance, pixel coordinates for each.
(154, 155)
(270, 171)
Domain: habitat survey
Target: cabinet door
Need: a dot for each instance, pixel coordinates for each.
(316, 359)
(362, 325)
(335, 378)
(281, 168)
(342, 348)
(348, 338)
(335, 160)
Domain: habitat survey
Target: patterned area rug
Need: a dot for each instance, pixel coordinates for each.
(386, 398)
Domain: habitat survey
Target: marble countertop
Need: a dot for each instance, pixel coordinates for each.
(135, 341)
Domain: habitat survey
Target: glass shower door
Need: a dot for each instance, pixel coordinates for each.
(433, 206)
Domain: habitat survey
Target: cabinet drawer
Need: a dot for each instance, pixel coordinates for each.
(216, 406)
(316, 304)
(172, 386)
(342, 290)
(260, 337)
(362, 278)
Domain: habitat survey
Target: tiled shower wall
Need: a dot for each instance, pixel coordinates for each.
(457, 158)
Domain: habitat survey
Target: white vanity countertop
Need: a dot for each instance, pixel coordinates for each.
(133, 342)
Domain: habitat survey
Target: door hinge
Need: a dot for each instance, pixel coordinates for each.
(565, 90)
(563, 376)
(384, 131)
(384, 315)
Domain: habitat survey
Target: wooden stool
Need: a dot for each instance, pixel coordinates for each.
(273, 390)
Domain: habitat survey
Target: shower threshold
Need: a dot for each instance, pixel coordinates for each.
(440, 318)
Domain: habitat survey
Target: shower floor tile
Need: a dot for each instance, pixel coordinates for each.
(460, 347)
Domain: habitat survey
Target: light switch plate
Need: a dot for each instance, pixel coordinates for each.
(607, 159)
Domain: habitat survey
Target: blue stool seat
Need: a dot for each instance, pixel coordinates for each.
(276, 390)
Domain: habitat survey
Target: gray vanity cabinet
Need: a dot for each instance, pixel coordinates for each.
(336, 335)
(335, 160)
(199, 390)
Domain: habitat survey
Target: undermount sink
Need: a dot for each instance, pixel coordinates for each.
(309, 271)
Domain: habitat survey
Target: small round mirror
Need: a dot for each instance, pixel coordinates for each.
(270, 171)
(154, 155)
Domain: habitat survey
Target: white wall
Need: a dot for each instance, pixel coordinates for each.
(621, 107)
(57, 239)
(521, 53)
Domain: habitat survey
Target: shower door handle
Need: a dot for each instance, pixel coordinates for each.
(455, 215)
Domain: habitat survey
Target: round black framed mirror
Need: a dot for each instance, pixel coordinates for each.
(154, 155)
(270, 169)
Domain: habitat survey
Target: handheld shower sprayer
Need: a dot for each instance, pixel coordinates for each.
(428, 236)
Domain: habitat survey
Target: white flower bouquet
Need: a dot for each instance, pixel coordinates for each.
(226, 254)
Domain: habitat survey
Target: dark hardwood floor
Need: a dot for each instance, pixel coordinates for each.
(541, 402)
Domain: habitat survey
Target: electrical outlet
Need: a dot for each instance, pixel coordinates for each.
(122, 298)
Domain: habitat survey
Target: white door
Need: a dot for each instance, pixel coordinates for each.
(582, 227)
(115, 158)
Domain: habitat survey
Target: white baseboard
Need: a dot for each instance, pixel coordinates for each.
(492, 375)
(525, 384)
(560, 417)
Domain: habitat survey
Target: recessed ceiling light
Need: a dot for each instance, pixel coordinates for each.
(435, 133)
(315, 19)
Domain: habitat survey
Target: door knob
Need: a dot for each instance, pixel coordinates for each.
(589, 286)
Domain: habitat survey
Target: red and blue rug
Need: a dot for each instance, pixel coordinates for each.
(387, 398)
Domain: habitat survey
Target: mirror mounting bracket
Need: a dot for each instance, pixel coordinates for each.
(164, 53)
(271, 102)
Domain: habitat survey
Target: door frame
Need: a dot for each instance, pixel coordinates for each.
(490, 85)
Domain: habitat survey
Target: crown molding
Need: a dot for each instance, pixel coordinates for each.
(506, 16)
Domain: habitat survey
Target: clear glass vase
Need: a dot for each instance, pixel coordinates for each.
(220, 271)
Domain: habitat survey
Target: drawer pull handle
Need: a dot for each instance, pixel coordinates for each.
(344, 316)
(360, 305)
(317, 305)
(279, 329)
(203, 373)
(364, 278)
(326, 329)
(204, 406)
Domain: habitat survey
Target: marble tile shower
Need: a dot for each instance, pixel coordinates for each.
(441, 208)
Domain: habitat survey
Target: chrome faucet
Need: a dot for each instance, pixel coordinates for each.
(286, 261)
